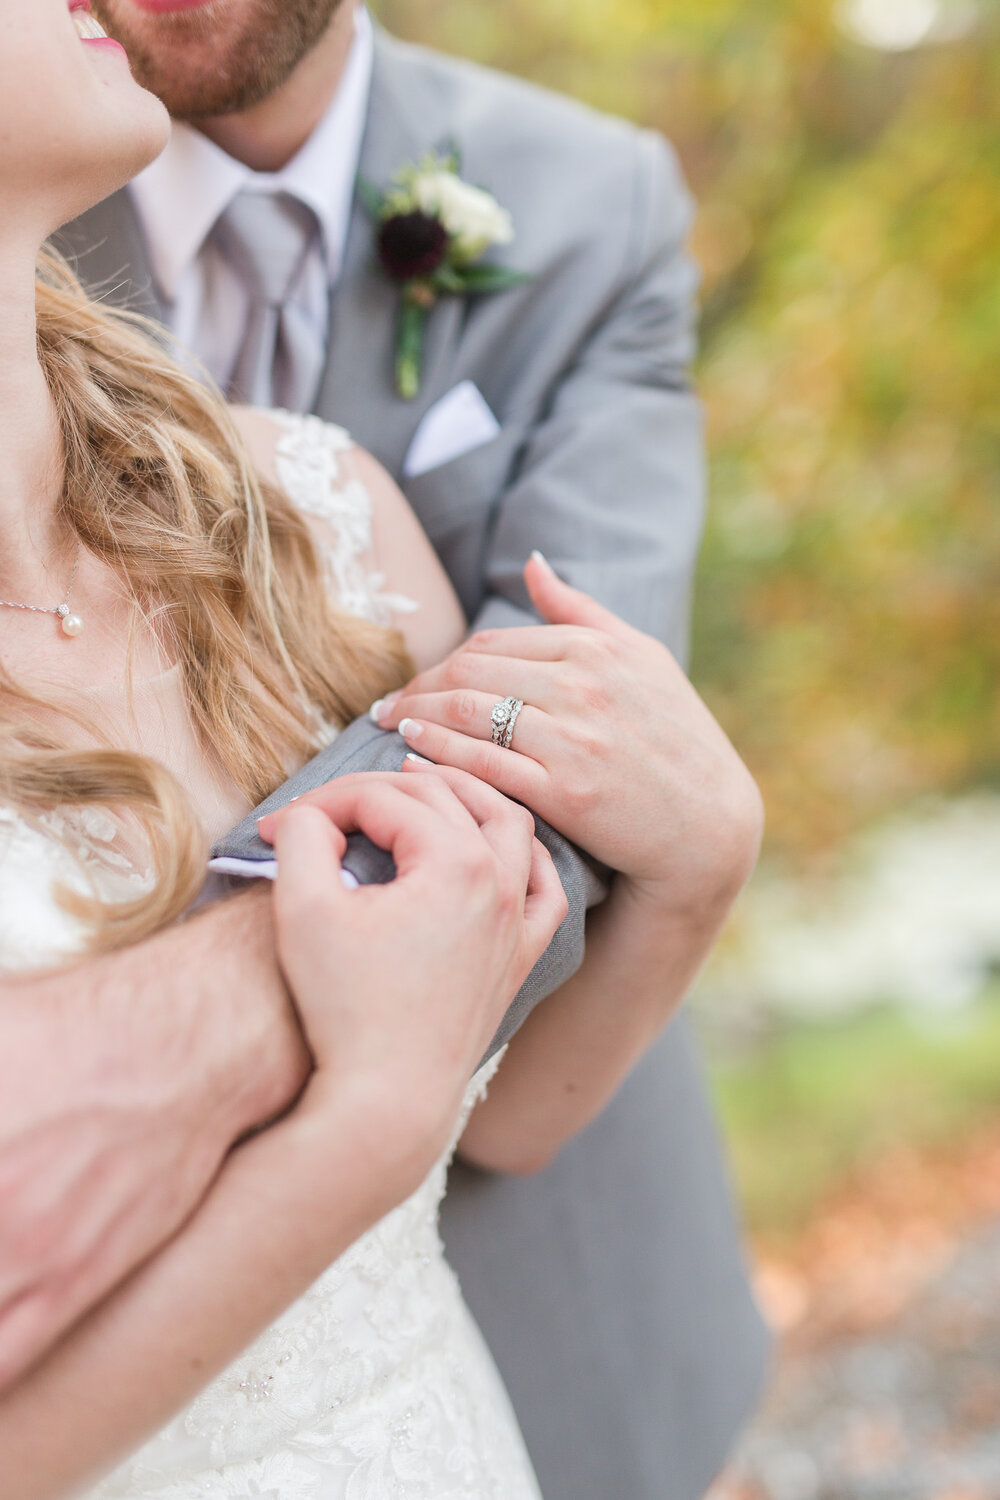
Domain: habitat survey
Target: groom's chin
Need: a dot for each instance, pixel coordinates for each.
(220, 57)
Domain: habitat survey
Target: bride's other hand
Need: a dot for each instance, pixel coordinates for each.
(401, 987)
(613, 746)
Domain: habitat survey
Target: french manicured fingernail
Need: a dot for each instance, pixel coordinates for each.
(420, 760)
(381, 707)
(540, 557)
(410, 729)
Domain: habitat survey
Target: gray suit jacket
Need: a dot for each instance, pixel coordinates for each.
(612, 1287)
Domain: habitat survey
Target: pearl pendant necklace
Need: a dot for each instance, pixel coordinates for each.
(70, 623)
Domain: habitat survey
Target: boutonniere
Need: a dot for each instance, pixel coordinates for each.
(432, 231)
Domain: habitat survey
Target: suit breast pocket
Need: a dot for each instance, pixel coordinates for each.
(455, 503)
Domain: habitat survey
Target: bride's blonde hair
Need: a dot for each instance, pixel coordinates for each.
(158, 484)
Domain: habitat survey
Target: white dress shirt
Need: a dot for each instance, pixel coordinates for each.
(181, 195)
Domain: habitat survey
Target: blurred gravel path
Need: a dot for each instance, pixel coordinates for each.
(909, 1412)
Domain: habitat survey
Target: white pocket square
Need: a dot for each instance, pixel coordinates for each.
(456, 424)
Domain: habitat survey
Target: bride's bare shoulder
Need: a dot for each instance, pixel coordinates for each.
(395, 547)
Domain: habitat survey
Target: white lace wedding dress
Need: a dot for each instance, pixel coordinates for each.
(376, 1384)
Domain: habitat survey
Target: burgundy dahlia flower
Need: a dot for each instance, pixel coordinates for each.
(412, 245)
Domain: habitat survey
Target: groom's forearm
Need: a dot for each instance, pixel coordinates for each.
(124, 1081)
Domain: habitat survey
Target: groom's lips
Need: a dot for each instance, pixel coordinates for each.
(165, 7)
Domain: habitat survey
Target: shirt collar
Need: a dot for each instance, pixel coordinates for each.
(180, 196)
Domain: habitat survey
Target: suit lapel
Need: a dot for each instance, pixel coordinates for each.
(106, 249)
(358, 388)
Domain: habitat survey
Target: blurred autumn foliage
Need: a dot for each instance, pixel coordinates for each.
(848, 620)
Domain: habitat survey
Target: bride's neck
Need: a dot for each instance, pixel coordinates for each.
(31, 473)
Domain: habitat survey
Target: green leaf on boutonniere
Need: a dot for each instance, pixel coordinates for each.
(450, 281)
(432, 230)
(450, 156)
(372, 199)
(410, 346)
(492, 279)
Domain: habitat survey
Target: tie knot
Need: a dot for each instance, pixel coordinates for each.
(266, 238)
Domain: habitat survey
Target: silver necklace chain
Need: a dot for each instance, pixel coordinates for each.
(60, 610)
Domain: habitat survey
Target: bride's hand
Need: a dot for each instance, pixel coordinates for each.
(401, 987)
(613, 746)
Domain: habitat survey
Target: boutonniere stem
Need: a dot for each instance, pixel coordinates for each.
(432, 231)
(414, 311)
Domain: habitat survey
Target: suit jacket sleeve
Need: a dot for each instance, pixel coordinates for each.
(610, 484)
(363, 747)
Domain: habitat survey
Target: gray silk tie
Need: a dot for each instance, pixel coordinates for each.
(268, 238)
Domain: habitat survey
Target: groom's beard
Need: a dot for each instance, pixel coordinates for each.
(221, 59)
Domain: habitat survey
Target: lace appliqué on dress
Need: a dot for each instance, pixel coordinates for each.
(78, 849)
(375, 1385)
(313, 464)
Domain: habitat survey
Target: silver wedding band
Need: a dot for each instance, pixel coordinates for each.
(503, 719)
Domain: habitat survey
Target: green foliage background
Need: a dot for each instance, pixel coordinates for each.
(848, 619)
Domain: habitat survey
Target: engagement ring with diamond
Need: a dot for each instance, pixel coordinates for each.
(503, 719)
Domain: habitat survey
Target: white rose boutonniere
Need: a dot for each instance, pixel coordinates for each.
(474, 219)
(432, 230)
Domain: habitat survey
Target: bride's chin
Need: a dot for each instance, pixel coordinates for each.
(132, 148)
(150, 131)
(149, 146)
(97, 180)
